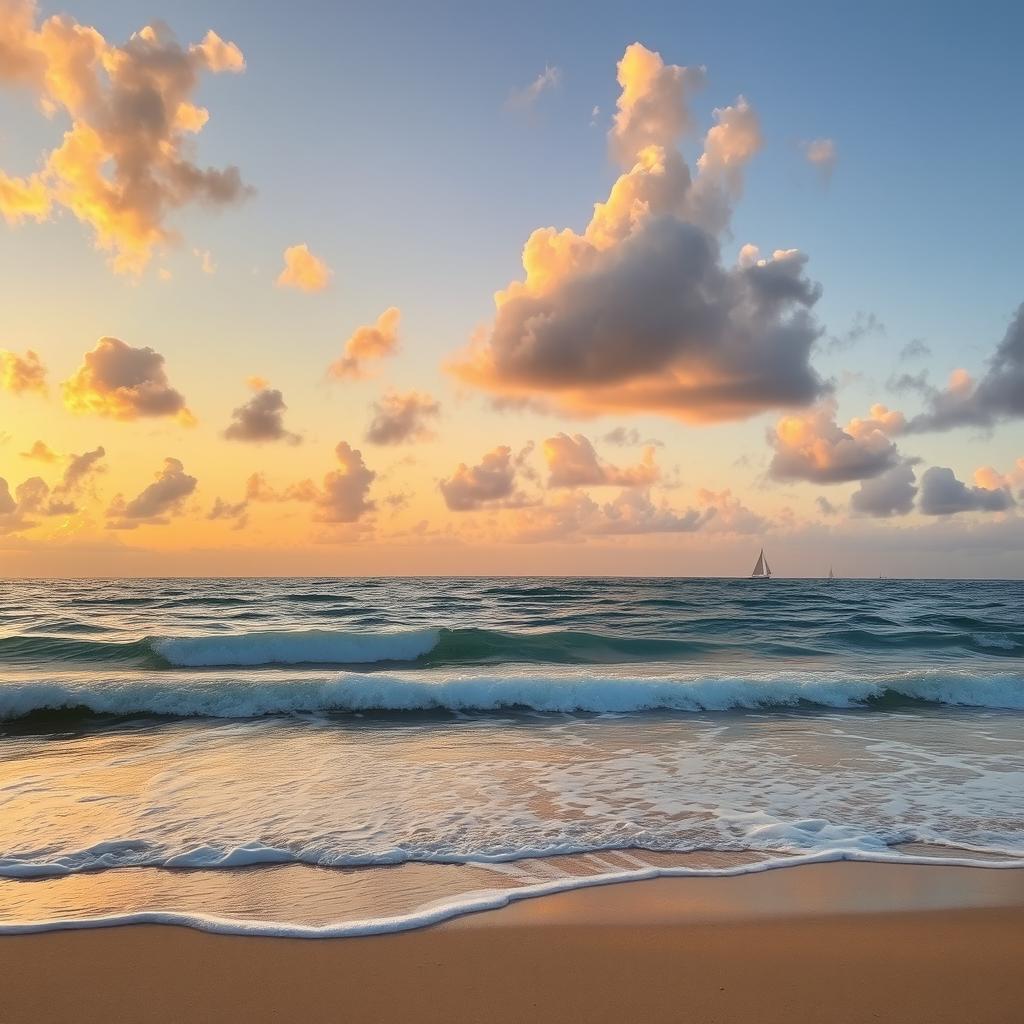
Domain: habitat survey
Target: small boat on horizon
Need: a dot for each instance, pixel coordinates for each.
(762, 570)
(831, 574)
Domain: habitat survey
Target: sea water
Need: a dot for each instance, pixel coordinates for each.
(323, 756)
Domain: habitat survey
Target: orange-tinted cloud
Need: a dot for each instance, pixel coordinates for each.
(345, 490)
(123, 383)
(21, 374)
(638, 313)
(303, 270)
(125, 162)
(492, 482)
(156, 504)
(572, 462)
(822, 154)
(400, 418)
(812, 446)
(41, 452)
(369, 342)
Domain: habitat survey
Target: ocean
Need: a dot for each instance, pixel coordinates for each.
(328, 757)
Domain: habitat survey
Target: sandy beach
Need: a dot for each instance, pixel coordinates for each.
(787, 945)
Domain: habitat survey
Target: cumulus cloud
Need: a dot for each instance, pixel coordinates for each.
(344, 496)
(822, 155)
(369, 342)
(574, 514)
(638, 312)
(524, 99)
(126, 161)
(261, 419)
(825, 507)
(727, 514)
(400, 418)
(998, 395)
(492, 481)
(303, 270)
(572, 462)
(40, 452)
(942, 494)
(16, 510)
(891, 493)
(155, 504)
(813, 447)
(123, 383)
(21, 374)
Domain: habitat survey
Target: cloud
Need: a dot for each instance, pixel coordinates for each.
(123, 383)
(572, 462)
(822, 154)
(41, 452)
(34, 496)
(257, 489)
(126, 159)
(942, 494)
(998, 395)
(864, 325)
(727, 514)
(916, 348)
(22, 374)
(813, 447)
(629, 438)
(157, 503)
(491, 482)
(344, 496)
(369, 342)
(524, 99)
(401, 418)
(303, 270)
(638, 313)
(261, 419)
(237, 511)
(16, 510)
(825, 507)
(891, 493)
(575, 514)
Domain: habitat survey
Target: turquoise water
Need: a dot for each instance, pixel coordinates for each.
(508, 734)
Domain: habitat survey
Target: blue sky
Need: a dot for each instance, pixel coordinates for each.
(382, 136)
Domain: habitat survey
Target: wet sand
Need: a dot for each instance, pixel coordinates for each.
(802, 944)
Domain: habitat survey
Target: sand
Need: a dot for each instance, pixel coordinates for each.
(787, 945)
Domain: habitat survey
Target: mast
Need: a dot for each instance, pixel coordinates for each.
(761, 569)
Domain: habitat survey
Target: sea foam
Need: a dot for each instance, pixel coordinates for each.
(247, 696)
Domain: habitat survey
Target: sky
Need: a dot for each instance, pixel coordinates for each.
(405, 289)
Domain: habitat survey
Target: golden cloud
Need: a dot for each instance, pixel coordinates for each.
(126, 161)
(124, 383)
(303, 270)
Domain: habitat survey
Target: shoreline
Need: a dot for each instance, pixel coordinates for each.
(804, 943)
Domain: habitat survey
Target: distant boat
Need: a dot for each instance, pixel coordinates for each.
(831, 574)
(762, 571)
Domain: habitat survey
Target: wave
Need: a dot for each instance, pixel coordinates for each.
(436, 647)
(477, 901)
(219, 696)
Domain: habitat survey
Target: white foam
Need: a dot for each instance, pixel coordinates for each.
(296, 648)
(474, 902)
(568, 691)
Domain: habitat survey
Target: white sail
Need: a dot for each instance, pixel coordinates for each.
(761, 569)
(831, 574)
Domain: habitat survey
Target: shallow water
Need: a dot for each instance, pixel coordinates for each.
(493, 736)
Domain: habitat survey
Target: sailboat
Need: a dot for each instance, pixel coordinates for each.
(762, 571)
(831, 574)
